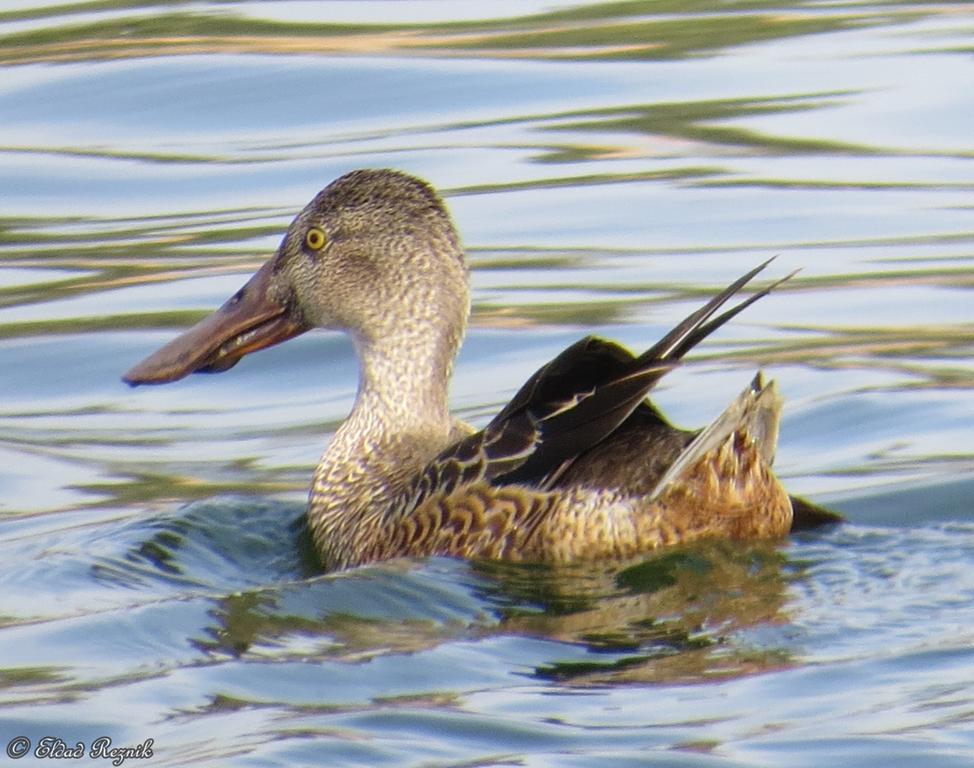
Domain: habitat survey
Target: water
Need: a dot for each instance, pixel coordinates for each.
(609, 165)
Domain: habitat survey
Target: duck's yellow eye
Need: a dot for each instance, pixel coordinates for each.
(315, 239)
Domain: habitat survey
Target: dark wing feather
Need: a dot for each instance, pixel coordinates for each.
(570, 405)
(570, 424)
(513, 436)
(582, 366)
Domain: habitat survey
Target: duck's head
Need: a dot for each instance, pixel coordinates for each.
(374, 254)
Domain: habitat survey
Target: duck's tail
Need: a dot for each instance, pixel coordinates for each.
(736, 451)
(745, 434)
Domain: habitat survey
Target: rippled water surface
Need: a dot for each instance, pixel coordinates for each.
(609, 165)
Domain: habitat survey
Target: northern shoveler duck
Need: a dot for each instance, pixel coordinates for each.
(578, 465)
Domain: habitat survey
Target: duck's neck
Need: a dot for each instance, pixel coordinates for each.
(399, 422)
(403, 383)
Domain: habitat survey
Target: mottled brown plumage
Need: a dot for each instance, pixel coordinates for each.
(579, 465)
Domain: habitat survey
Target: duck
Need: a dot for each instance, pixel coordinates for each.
(580, 465)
